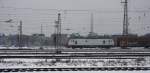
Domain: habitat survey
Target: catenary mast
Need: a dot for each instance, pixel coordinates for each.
(125, 20)
(124, 42)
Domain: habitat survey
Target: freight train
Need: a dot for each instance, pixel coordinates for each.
(108, 42)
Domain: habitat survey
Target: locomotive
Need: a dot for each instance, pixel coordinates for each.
(91, 43)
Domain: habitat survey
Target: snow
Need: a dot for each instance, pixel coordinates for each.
(52, 63)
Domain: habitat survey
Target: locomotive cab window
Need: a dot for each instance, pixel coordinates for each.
(104, 41)
(76, 42)
(110, 41)
(86, 41)
(72, 40)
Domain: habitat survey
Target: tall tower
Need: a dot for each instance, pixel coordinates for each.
(58, 34)
(125, 19)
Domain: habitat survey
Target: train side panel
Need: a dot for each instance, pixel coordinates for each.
(90, 43)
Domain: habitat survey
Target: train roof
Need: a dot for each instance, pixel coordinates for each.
(100, 37)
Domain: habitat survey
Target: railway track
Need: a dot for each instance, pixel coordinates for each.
(30, 51)
(76, 50)
(70, 54)
(75, 55)
(76, 69)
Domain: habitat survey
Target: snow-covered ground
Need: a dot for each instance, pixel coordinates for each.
(51, 63)
(88, 72)
(12, 47)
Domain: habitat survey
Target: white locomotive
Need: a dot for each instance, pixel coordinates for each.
(90, 43)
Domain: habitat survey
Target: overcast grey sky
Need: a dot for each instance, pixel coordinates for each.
(108, 16)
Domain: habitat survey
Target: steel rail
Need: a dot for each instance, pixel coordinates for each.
(75, 69)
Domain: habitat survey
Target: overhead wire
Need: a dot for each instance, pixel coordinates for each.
(69, 10)
(66, 12)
